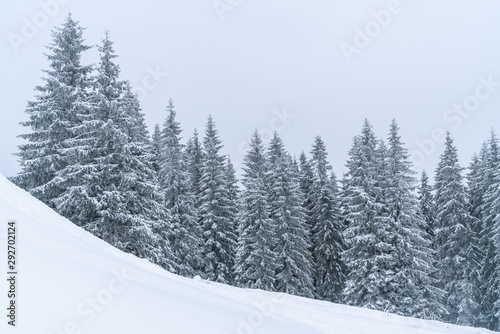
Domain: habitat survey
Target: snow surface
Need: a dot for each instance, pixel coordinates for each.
(72, 282)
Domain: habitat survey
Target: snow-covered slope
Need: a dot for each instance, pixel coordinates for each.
(71, 282)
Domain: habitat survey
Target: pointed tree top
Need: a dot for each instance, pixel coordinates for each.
(170, 106)
(276, 141)
(493, 140)
(210, 126)
(256, 139)
(394, 132)
(394, 123)
(211, 138)
(367, 136)
(171, 111)
(302, 157)
(69, 17)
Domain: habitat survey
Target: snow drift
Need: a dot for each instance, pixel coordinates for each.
(71, 282)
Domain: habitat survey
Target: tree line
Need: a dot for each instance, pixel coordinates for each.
(377, 238)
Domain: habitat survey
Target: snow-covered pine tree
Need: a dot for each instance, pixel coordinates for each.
(294, 272)
(476, 189)
(218, 231)
(170, 156)
(232, 197)
(489, 213)
(55, 114)
(135, 204)
(116, 188)
(388, 256)
(410, 286)
(78, 202)
(194, 160)
(367, 251)
(342, 188)
(437, 308)
(146, 217)
(306, 178)
(456, 243)
(256, 259)
(426, 204)
(327, 240)
(381, 180)
(186, 238)
(156, 147)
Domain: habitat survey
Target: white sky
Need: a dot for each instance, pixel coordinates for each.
(269, 57)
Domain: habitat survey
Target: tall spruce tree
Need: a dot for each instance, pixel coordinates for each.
(294, 272)
(456, 243)
(232, 195)
(437, 309)
(116, 190)
(194, 161)
(367, 250)
(133, 202)
(389, 256)
(186, 238)
(256, 258)
(306, 186)
(218, 230)
(476, 189)
(55, 114)
(489, 212)
(411, 287)
(327, 240)
(156, 147)
(426, 204)
(82, 184)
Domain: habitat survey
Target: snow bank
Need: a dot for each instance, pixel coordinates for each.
(71, 282)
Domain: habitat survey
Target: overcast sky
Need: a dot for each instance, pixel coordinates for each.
(302, 68)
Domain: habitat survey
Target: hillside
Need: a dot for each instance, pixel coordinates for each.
(71, 282)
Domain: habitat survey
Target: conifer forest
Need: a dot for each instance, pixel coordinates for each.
(380, 236)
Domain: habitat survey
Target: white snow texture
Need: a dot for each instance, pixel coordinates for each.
(71, 282)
